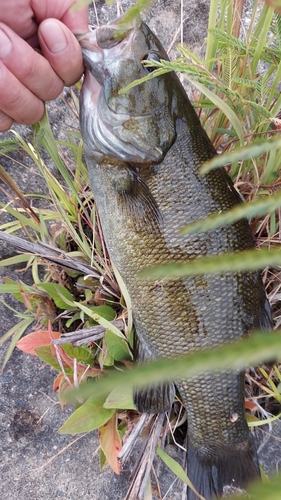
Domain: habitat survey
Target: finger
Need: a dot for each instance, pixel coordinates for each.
(60, 47)
(76, 21)
(5, 121)
(17, 101)
(28, 66)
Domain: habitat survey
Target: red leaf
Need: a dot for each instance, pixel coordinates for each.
(111, 443)
(35, 339)
(250, 405)
(57, 381)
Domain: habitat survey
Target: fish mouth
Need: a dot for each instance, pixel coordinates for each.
(109, 35)
(94, 44)
(118, 125)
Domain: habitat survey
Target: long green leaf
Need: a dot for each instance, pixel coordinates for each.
(43, 129)
(100, 320)
(245, 210)
(260, 347)
(176, 468)
(238, 154)
(17, 259)
(15, 332)
(249, 260)
(218, 102)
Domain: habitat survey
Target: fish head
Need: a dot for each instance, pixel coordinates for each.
(139, 124)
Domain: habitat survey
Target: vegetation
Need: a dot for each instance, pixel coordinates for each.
(78, 306)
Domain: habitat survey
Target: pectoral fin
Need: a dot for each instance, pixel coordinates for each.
(137, 203)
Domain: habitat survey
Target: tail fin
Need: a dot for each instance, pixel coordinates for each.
(233, 466)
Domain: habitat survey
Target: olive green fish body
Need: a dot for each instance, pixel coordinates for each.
(144, 149)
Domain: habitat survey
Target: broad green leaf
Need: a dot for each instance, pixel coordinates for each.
(118, 348)
(111, 443)
(249, 260)
(91, 415)
(104, 357)
(82, 354)
(121, 398)
(238, 154)
(259, 347)
(245, 210)
(106, 312)
(45, 353)
(58, 293)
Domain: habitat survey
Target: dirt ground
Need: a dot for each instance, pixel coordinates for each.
(36, 462)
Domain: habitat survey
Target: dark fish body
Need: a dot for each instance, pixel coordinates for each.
(143, 151)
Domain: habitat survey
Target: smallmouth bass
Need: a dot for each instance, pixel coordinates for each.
(143, 150)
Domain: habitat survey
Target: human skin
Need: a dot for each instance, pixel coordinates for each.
(39, 54)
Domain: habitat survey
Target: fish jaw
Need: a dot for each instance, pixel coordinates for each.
(139, 125)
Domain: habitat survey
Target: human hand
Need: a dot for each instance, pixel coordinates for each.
(29, 77)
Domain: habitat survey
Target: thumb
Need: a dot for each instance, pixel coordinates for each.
(60, 47)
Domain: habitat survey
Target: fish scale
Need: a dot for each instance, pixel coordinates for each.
(147, 185)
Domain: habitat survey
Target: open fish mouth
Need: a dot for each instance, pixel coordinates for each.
(133, 126)
(96, 44)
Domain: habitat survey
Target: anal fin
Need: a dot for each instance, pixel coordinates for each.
(153, 398)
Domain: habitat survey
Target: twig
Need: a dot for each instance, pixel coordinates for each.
(50, 253)
(143, 466)
(85, 335)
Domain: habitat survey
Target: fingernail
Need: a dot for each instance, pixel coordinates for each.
(53, 36)
(5, 45)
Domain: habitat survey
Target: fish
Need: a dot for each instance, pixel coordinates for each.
(144, 148)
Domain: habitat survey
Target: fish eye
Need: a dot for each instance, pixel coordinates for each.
(151, 56)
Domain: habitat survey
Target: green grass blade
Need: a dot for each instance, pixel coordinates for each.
(249, 260)
(177, 469)
(245, 210)
(237, 356)
(100, 320)
(211, 46)
(49, 143)
(16, 332)
(243, 153)
(17, 259)
(222, 105)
